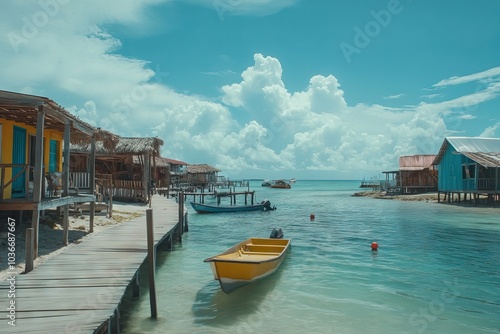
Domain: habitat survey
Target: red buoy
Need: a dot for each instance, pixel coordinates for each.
(311, 216)
(374, 246)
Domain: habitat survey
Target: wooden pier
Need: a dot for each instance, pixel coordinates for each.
(221, 194)
(80, 290)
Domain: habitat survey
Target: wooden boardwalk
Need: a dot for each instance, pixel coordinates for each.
(79, 290)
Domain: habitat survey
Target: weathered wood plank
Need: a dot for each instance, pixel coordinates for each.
(79, 290)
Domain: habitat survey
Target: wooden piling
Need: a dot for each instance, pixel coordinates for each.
(30, 251)
(136, 286)
(65, 224)
(151, 263)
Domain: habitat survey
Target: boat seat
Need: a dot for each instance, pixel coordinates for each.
(264, 248)
(260, 253)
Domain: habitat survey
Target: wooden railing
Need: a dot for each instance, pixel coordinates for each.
(129, 189)
(79, 181)
(23, 169)
(480, 184)
(106, 186)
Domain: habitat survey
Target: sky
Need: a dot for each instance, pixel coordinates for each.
(311, 89)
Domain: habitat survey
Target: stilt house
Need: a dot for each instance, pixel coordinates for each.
(469, 165)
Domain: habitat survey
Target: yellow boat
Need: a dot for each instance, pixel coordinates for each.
(248, 261)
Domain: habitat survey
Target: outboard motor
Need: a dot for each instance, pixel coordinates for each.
(267, 205)
(276, 233)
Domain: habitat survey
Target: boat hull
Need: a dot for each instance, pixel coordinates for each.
(281, 184)
(204, 208)
(248, 261)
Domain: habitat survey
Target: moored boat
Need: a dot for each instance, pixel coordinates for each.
(248, 261)
(265, 205)
(281, 184)
(266, 183)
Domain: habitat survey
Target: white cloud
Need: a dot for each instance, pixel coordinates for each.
(392, 97)
(431, 96)
(244, 7)
(467, 116)
(490, 131)
(492, 74)
(314, 129)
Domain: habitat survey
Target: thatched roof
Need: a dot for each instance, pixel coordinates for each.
(201, 169)
(23, 108)
(159, 161)
(124, 146)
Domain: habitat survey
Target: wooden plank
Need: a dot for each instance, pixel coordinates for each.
(80, 289)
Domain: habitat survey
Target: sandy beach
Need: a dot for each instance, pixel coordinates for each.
(50, 237)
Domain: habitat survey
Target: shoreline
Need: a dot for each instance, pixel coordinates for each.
(428, 197)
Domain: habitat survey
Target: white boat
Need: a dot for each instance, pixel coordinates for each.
(266, 183)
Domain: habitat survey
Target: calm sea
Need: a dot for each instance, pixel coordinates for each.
(437, 269)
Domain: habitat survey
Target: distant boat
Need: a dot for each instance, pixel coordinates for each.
(266, 183)
(292, 180)
(281, 184)
(248, 261)
(265, 205)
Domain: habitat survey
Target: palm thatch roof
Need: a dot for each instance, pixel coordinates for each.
(23, 108)
(123, 146)
(159, 161)
(201, 169)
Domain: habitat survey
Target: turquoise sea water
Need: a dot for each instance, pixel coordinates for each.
(437, 269)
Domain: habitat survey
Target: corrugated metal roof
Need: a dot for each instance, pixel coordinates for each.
(484, 159)
(475, 144)
(484, 151)
(176, 162)
(416, 162)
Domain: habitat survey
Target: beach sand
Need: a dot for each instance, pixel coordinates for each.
(50, 239)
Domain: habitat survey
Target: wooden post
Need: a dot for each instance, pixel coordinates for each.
(65, 224)
(147, 177)
(181, 216)
(92, 182)
(37, 177)
(65, 179)
(186, 227)
(136, 285)
(30, 238)
(110, 206)
(151, 263)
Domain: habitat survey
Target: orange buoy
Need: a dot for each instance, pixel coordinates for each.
(311, 216)
(374, 246)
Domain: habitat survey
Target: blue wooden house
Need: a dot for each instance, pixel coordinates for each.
(469, 165)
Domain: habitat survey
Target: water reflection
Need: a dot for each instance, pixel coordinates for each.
(215, 308)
